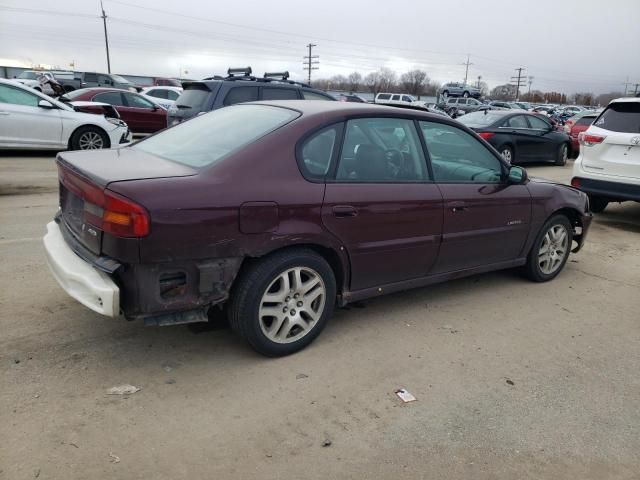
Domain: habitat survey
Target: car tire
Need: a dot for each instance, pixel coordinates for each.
(507, 154)
(465, 94)
(274, 307)
(562, 155)
(445, 94)
(597, 204)
(550, 251)
(89, 138)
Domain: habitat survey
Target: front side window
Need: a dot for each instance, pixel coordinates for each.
(192, 143)
(279, 94)
(457, 157)
(406, 98)
(112, 98)
(381, 150)
(396, 98)
(16, 96)
(157, 93)
(137, 101)
(316, 153)
(172, 94)
(240, 95)
(104, 80)
(91, 77)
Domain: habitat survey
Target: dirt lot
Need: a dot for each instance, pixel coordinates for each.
(514, 380)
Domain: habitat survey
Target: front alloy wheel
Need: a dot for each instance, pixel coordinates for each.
(551, 249)
(90, 140)
(507, 154)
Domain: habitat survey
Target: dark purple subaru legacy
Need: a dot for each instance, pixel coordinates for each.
(278, 211)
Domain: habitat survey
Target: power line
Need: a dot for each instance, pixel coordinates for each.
(311, 61)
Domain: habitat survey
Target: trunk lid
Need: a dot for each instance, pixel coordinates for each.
(83, 179)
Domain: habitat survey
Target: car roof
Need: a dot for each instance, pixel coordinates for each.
(340, 109)
(626, 100)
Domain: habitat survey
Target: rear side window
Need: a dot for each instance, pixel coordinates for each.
(240, 95)
(279, 94)
(193, 97)
(316, 153)
(157, 93)
(585, 121)
(112, 98)
(517, 122)
(620, 117)
(381, 150)
(192, 143)
(396, 98)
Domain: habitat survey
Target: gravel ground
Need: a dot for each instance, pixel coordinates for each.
(513, 380)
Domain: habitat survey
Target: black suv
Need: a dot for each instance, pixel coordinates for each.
(239, 86)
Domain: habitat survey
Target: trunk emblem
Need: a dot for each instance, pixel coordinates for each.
(635, 140)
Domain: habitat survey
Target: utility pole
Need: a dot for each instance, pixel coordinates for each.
(466, 72)
(310, 61)
(479, 78)
(106, 37)
(518, 81)
(635, 89)
(529, 91)
(626, 86)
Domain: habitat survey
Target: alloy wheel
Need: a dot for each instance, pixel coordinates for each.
(553, 249)
(90, 141)
(292, 305)
(507, 155)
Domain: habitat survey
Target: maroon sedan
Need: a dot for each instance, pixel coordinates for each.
(280, 210)
(141, 114)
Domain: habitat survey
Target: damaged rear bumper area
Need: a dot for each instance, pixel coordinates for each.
(88, 285)
(161, 294)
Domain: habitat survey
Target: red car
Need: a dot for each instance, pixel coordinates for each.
(575, 125)
(282, 210)
(141, 114)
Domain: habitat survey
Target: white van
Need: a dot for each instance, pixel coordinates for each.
(394, 99)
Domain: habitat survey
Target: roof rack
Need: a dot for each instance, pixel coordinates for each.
(245, 71)
(276, 75)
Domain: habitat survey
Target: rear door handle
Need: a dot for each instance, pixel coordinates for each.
(343, 211)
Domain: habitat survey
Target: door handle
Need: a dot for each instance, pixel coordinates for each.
(344, 211)
(458, 206)
(4, 113)
(459, 209)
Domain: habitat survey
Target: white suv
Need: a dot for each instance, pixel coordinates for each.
(608, 167)
(395, 99)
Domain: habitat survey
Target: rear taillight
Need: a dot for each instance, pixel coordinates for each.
(108, 211)
(567, 126)
(588, 139)
(575, 182)
(486, 135)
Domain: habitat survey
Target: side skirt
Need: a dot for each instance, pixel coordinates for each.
(349, 297)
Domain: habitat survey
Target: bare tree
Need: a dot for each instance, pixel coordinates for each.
(355, 81)
(372, 82)
(387, 79)
(413, 82)
(503, 92)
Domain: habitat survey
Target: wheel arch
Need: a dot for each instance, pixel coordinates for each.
(338, 262)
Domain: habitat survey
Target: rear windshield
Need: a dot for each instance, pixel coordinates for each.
(27, 76)
(193, 97)
(74, 94)
(620, 117)
(208, 138)
(479, 119)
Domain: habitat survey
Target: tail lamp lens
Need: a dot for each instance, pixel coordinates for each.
(486, 135)
(589, 139)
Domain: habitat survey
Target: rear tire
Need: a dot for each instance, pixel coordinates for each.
(562, 155)
(281, 303)
(465, 94)
(89, 138)
(506, 152)
(445, 94)
(551, 249)
(597, 204)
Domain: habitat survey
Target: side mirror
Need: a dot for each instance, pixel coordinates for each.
(517, 175)
(46, 104)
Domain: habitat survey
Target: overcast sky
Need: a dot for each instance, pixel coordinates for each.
(567, 45)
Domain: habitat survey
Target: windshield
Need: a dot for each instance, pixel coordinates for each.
(208, 138)
(27, 76)
(479, 119)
